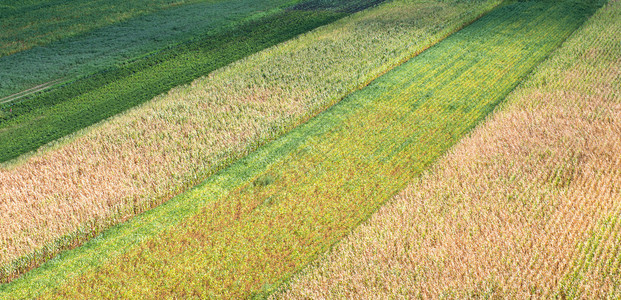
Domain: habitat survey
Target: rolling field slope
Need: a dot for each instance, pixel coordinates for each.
(251, 226)
(527, 206)
(135, 161)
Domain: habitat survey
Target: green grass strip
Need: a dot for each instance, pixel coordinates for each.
(33, 123)
(271, 213)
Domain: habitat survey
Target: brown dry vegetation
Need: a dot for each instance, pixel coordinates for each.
(137, 160)
(528, 206)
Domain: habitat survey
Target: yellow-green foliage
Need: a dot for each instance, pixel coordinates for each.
(526, 207)
(138, 160)
(265, 217)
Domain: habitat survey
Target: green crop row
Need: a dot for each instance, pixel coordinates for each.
(251, 226)
(596, 269)
(32, 123)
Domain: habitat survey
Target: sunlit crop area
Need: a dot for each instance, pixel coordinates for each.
(527, 206)
(138, 160)
(249, 227)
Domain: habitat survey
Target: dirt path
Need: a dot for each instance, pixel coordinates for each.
(30, 91)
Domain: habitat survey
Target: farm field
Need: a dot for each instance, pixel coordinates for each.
(252, 225)
(527, 206)
(103, 47)
(138, 160)
(30, 23)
